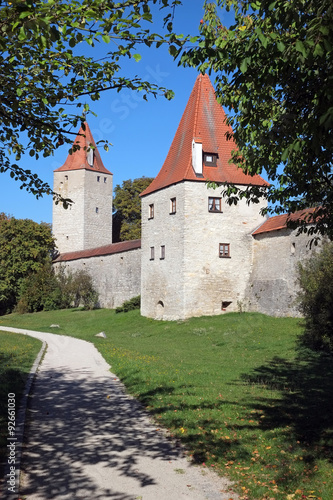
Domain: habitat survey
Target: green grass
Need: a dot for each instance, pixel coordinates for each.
(234, 389)
(17, 355)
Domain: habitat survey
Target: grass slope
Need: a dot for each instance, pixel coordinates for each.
(234, 389)
(17, 355)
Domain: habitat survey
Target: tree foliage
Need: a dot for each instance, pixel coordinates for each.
(44, 77)
(127, 207)
(25, 247)
(274, 74)
(315, 278)
(47, 290)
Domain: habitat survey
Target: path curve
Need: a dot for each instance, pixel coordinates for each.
(88, 439)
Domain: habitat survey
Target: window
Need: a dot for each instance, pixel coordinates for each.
(152, 253)
(98, 178)
(210, 159)
(162, 252)
(214, 204)
(151, 211)
(173, 206)
(104, 180)
(224, 250)
(96, 210)
(225, 304)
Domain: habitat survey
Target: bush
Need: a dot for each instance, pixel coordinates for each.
(130, 305)
(315, 298)
(39, 291)
(77, 289)
(47, 290)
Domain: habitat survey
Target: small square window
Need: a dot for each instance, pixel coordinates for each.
(162, 253)
(210, 159)
(172, 205)
(214, 204)
(152, 253)
(151, 211)
(224, 250)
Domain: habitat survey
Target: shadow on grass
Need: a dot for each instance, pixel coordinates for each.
(176, 413)
(305, 407)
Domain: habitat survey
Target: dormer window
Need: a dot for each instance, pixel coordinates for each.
(210, 159)
(90, 157)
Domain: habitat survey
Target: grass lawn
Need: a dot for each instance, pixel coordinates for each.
(234, 389)
(17, 355)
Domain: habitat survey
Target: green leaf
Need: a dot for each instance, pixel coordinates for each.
(137, 57)
(106, 38)
(243, 66)
(281, 46)
(22, 35)
(300, 48)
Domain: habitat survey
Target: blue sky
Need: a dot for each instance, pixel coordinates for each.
(140, 132)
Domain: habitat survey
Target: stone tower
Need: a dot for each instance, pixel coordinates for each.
(196, 249)
(87, 223)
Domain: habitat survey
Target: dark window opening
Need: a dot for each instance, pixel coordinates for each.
(224, 250)
(210, 159)
(225, 304)
(214, 204)
(173, 206)
(151, 211)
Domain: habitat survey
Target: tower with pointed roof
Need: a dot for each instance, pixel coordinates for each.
(196, 249)
(87, 223)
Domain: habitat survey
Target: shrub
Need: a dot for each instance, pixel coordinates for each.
(315, 298)
(39, 291)
(130, 305)
(77, 289)
(47, 290)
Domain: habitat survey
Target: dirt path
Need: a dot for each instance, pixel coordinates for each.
(87, 439)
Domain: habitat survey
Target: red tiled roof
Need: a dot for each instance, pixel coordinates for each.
(281, 221)
(205, 121)
(78, 159)
(122, 246)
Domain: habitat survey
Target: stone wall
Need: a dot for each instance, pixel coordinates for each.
(214, 284)
(87, 223)
(162, 279)
(192, 280)
(272, 286)
(116, 276)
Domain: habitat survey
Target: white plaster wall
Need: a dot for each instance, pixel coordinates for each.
(68, 224)
(116, 277)
(97, 224)
(162, 281)
(209, 279)
(193, 280)
(79, 227)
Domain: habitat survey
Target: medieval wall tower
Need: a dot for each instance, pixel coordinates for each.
(196, 250)
(87, 223)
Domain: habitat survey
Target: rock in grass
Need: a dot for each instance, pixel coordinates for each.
(101, 334)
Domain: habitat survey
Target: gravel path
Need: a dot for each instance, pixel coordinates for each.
(87, 439)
